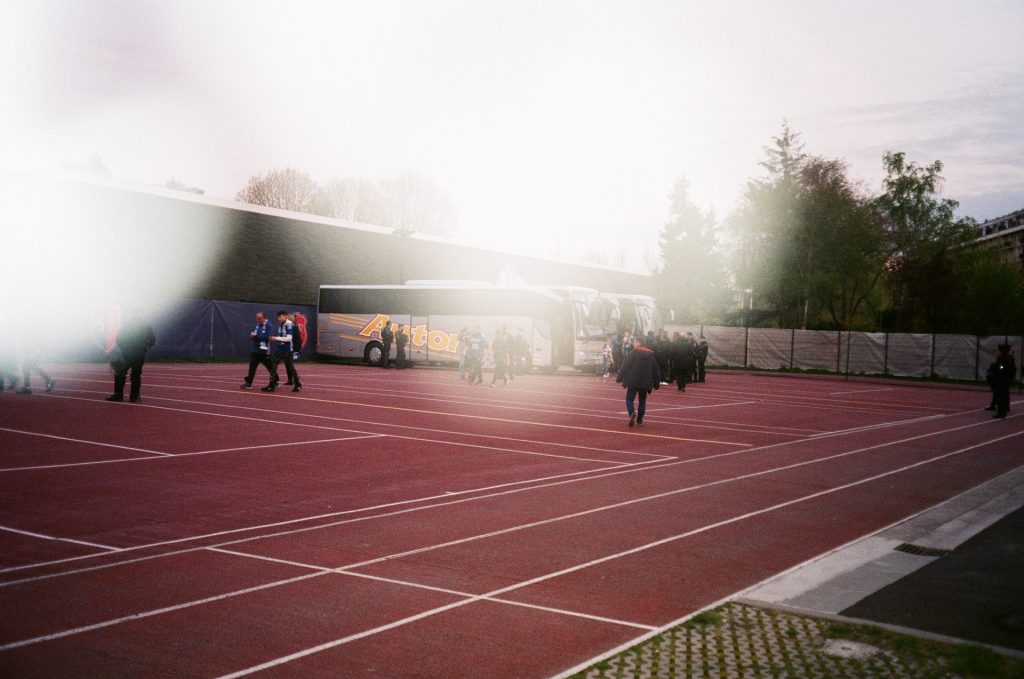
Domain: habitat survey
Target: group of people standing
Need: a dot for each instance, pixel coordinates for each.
(271, 346)
(681, 359)
(644, 364)
(506, 351)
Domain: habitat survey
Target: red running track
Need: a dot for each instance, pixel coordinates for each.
(403, 523)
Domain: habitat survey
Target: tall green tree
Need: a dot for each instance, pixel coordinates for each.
(691, 279)
(841, 240)
(923, 233)
(765, 231)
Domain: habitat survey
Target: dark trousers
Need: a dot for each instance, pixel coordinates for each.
(1001, 398)
(275, 359)
(700, 370)
(29, 366)
(632, 393)
(500, 370)
(473, 369)
(121, 372)
(682, 377)
(386, 354)
(400, 356)
(257, 358)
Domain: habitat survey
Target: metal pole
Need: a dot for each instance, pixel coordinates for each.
(977, 357)
(885, 356)
(931, 370)
(746, 344)
(849, 342)
(792, 346)
(839, 349)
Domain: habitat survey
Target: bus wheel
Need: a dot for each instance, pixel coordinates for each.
(374, 354)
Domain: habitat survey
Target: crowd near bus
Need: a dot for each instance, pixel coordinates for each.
(473, 327)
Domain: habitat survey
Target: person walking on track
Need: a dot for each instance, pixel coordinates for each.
(281, 343)
(640, 375)
(260, 353)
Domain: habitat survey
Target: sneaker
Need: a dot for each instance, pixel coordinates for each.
(50, 385)
(663, 382)
(134, 399)
(24, 390)
(246, 385)
(990, 408)
(289, 383)
(632, 419)
(297, 387)
(269, 387)
(639, 422)
(115, 398)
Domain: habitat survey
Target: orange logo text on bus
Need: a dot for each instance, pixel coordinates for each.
(435, 340)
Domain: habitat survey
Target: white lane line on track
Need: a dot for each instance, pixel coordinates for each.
(860, 391)
(432, 588)
(618, 555)
(792, 569)
(53, 537)
(174, 455)
(367, 433)
(467, 598)
(332, 418)
(92, 443)
(566, 410)
(158, 611)
(441, 504)
(541, 483)
(464, 416)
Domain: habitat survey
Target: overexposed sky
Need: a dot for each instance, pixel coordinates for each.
(544, 121)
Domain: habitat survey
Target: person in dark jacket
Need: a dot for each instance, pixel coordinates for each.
(500, 348)
(684, 359)
(640, 375)
(1001, 375)
(134, 340)
(702, 358)
(260, 350)
(386, 337)
(282, 344)
(401, 339)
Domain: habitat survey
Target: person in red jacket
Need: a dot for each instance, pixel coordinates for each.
(640, 375)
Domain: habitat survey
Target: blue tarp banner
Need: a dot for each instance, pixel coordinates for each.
(201, 330)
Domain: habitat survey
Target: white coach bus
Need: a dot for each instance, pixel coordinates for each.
(556, 326)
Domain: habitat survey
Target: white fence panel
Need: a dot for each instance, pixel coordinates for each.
(725, 345)
(910, 355)
(769, 348)
(955, 356)
(864, 353)
(815, 349)
(987, 352)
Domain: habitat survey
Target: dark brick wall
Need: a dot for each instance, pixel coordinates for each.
(250, 256)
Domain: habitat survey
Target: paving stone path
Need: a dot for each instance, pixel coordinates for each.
(738, 641)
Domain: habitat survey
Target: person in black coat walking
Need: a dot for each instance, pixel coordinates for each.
(640, 375)
(1001, 375)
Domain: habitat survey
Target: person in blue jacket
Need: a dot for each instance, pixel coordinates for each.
(260, 354)
(640, 375)
(281, 346)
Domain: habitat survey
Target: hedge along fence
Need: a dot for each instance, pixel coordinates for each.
(960, 357)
